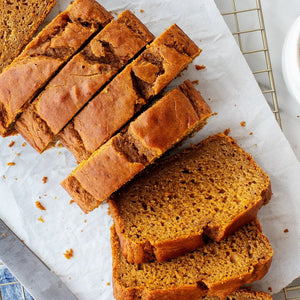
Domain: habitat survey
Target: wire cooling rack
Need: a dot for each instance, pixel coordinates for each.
(245, 19)
(246, 22)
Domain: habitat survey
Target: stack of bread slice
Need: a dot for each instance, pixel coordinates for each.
(184, 227)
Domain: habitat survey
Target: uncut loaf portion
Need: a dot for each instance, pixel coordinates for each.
(134, 87)
(215, 270)
(211, 190)
(83, 76)
(175, 116)
(21, 81)
(19, 20)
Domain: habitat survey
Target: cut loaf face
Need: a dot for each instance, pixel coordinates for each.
(211, 189)
(215, 270)
(175, 116)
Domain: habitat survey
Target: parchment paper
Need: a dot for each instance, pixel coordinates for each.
(231, 91)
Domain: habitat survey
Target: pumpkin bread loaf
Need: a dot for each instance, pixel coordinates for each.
(19, 20)
(129, 92)
(215, 270)
(81, 78)
(21, 81)
(209, 190)
(175, 116)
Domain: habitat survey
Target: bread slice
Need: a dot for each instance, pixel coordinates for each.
(244, 294)
(215, 270)
(21, 81)
(208, 190)
(19, 20)
(81, 78)
(175, 116)
(126, 94)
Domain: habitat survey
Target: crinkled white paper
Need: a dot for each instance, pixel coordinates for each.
(231, 91)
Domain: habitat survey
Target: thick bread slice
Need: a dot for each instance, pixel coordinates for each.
(21, 81)
(19, 20)
(215, 270)
(86, 73)
(211, 190)
(127, 94)
(175, 116)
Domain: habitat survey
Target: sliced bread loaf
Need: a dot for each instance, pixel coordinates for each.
(126, 94)
(21, 81)
(19, 20)
(215, 270)
(82, 77)
(175, 116)
(208, 190)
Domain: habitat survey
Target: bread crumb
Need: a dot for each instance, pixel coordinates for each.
(45, 179)
(4, 234)
(41, 219)
(243, 123)
(286, 230)
(198, 67)
(85, 221)
(255, 145)
(59, 153)
(69, 278)
(71, 201)
(298, 116)
(196, 82)
(227, 131)
(69, 253)
(108, 283)
(214, 114)
(251, 133)
(11, 163)
(60, 145)
(18, 154)
(81, 230)
(39, 205)
(45, 195)
(115, 13)
(270, 289)
(40, 197)
(16, 178)
(11, 144)
(24, 144)
(4, 177)
(141, 10)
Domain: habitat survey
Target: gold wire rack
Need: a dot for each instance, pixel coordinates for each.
(246, 22)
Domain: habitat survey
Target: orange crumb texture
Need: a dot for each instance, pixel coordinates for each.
(4, 234)
(286, 230)
(196, 82)
(41, 219)
(243, 123)
(45, 179)
(71, 201)
(141, 10)
(11, 144)
(11, 163)
(270, 289)
(251, 133)
(227, 131)
(198, 67)
(215, 114)
(69, 253)
(59, 145)
(24, 144)
(108, 283)
(39, 205)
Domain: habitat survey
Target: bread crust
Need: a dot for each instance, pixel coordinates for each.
(123, 97)
(172, 118)
(198, 290)
(83, 76)
(44, 55)
(166, 250)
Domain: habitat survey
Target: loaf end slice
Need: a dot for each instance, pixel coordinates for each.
(215, 270)
(211, 189)
(18, 22)
(174, 117)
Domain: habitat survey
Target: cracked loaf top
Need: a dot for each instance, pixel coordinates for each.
(81, 78)
(175, 116)
(21, 81)
(134, 87)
